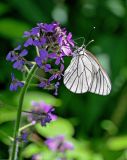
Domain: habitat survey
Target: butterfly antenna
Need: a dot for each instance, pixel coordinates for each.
(89, 35)
(78, 39)
(89, 43)
(84, 41)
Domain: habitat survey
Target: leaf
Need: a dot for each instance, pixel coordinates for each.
(12, 28)
(7, 113)
(40, 96)
(31, 149)
(59, 127)
(6, 132)
(109, 126)
(82, 151)
(42, 151)
(117, 143)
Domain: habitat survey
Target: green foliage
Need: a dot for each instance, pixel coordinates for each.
(3, 8)
(9, 24)
(95, 124)
(40, 96)
(117, 143)
(59, 127)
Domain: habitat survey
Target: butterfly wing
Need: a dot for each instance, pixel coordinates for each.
(100, 83)
(77, 77)
(86, 74)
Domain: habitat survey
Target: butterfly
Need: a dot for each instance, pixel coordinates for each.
(85, 74)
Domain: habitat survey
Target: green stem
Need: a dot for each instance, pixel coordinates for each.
(18, 119)
(26, 126)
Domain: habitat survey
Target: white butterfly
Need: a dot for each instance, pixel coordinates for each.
(85, 74)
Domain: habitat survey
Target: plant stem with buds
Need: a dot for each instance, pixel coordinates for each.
(14, 152)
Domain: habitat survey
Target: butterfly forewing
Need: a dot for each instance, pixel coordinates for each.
(86, 74)
(77, 77)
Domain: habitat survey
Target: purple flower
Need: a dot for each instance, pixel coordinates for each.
(57, 58)
(24, 137)
(59, 144)
(48, 117)
(66, 50)
(39, 42)
(29, 42)
(17, 48)
(37, 157)
(43, 84)
(11, 56)
(47, 67)
(65, 41)
(15, 83)
(27, 34)
(42, 40)
(36, 42)
(35, 31)
(19, 64)
(23, 53)
(18, 59)
(43, 56)
(48, 27)
(57, 75)
(42, 112)
(53, 43)
(69, 39)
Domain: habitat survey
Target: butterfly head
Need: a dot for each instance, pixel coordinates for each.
(81, 50)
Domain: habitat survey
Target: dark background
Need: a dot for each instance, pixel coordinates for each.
(97, 123)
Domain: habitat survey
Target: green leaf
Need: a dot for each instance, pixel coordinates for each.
(12, 28)
(59, 127)
(40, 96)
(31, 149)
(6, 132)
(117, 143)
(82, 151)
(109, 126)
(42, 151)
(7, 113)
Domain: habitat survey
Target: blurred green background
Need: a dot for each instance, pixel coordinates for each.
(96, 125)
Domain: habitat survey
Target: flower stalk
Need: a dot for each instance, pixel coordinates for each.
(18, 119)
(26, 126)
(52, 44)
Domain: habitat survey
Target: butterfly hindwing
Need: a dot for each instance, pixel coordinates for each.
(100, 82)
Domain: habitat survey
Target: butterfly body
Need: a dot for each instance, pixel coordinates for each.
(85, 74)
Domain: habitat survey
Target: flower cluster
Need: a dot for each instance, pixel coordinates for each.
(41, 112)
(52, 44)
(59, 144)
